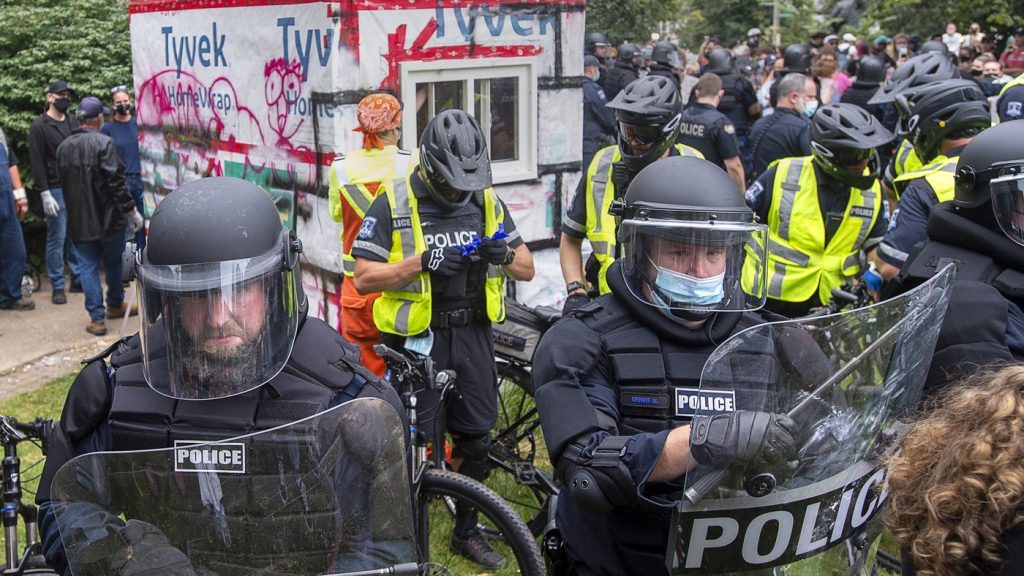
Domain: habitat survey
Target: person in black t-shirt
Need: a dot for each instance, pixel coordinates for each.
(705, 128)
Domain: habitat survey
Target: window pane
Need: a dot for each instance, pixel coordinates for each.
(503, 123)
(434, 97)
(448, 95)
(423, 107)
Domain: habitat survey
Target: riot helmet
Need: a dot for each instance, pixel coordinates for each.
(688, 238)
(951, 109)
(220, 288)
(721, 62)
(796, 58)
(453, 159)
(629, 53)
(844, 137)
(648, 111)
(918, 71)
(934, 46)
(991, 168)
(596, 40)
(666, 53)
(871, 70)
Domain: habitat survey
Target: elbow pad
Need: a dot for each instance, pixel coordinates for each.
(600, 482)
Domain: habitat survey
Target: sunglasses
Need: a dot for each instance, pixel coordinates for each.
(121, 88)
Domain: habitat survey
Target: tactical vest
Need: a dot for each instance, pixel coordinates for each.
(1018, 81)
(351, 175)
(939, 173)
(406, 310)
(657, 380)
(906, 158)
(319, 374)
(729, 101)
(798, 261)
(600, 193)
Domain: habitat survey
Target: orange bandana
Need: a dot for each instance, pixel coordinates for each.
(377, 113)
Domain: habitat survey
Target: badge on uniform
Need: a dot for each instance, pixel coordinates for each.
(753, 195)
(366, 228)
(729, 129)
(691, 402)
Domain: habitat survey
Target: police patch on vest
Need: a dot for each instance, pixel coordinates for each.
(193, 456)
(1013, 109)
(693, 401)
(366, 228)
(862, 211)
(404, 222)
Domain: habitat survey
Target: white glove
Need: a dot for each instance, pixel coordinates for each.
(21, 201)
(135, 220)
(50, 206)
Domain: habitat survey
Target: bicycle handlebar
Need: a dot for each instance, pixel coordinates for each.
(12, 431)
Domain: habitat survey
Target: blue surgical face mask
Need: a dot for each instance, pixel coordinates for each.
(691, 290)
(810, 108)
(597, 77)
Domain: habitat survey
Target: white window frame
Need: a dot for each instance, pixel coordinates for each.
(414, 72)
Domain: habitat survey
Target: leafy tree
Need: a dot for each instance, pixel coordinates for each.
(85, 42)
(997, 17)
(632, 20)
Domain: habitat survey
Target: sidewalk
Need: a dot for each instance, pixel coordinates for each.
(50, 341)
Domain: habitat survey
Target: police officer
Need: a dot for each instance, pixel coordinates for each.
(226, 349)
(598, 120)
(738, 102)
(981, 230)
(796, 59)
(942, 117)
(628, 61)
(438, 299)
(786, 132)
(648, 113)
(870, 76)
(675, 295)
(1010, 105)
(665, 62)
(705, 128)
(823, 211)
(598, 46)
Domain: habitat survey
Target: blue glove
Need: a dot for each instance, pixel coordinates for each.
(873, 279)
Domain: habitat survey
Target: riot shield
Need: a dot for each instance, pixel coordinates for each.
(848, 381)
(328, 494)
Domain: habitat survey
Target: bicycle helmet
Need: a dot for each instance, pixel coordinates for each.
(721, 62)
(950, 109)
(648, 111)
(934, 46)
(454, 159)
(844, 135)
(919, 70)
(685, 237)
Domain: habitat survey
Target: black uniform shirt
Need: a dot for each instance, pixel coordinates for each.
(1011, 104)
(708, 130)
(440, 230)
(784, 134)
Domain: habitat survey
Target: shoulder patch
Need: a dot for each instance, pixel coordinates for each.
(729, 129)
(754, 192)
(1013, 109)
(367, 227)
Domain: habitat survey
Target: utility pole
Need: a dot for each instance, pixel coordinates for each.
(776, 33)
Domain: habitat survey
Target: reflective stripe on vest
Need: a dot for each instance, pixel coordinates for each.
(799, 262)
(939, 173)
(1018, 81)
(406, 311)
(359, 199)
(600, 193)
(906, 159)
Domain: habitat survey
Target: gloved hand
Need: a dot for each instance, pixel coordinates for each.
(873, 280)
(135, 220)
(146, 552)
(444, 261)
(493, 251)
(744, 437)
(573, 302)
(20, 201)
(50, 206)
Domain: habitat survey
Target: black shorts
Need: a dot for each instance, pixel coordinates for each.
(469, 350)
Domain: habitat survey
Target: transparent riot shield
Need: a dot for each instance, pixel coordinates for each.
(848, 381)
(328, 494)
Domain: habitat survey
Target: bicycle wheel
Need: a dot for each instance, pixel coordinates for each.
(439, 492)
(518, 474)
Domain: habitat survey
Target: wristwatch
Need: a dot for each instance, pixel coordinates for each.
(574, 286)
(509, 257)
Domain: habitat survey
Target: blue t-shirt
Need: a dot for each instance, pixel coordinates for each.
(126, 137)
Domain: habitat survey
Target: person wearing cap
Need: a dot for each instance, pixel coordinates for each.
(13, 206)
(124, 129)
(816, 42)
(1013, 57)
(598, 120)
(99, 208)
(354, 182)
(45, 134)
(880, 48)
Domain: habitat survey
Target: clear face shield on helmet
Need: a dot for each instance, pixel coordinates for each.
(1008, 205)
(217, 329)
(695, 268)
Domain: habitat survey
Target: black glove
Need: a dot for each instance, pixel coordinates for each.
(444, 261)
(148, 553)
(493, 251)
(573, 302)
(743, 437)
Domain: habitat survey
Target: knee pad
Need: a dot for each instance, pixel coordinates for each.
(472, 449)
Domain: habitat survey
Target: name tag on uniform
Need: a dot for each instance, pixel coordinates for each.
(693, 401)
(862, 211)
(405, 222)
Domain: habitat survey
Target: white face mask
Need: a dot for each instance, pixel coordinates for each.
(810, 108)
(683, 288)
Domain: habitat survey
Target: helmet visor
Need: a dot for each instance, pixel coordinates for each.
(1008, 205)
(695, 266)
(638, 136)
(217, 329)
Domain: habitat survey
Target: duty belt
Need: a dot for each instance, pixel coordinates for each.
(454, 318)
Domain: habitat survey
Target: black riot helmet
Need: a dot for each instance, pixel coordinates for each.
(220, 289)
(951, 109)
(629, 53)
(845, 135)
(796, 58)
(454, 159)
(721, 62)
(871, 70)
(918, 71)
(594, 40)
(936, 47)
(688, 239)
(991, 169)
(666, 53)
(648, 111)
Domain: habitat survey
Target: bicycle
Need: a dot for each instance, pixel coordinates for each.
(30, 560)
(438, 491)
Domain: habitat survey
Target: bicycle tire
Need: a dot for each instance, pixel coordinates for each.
(437, 491)
(515, 443)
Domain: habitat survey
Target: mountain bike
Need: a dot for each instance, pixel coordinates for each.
(28, 560)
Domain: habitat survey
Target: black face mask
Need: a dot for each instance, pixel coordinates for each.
(123, 109)
(62, 104)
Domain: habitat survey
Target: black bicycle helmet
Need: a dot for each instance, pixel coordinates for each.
(665, 53)
(949, 109)
(845, 135)
(595, 38)
(454, 159)
(934, 46)
(647, 109)
(919, 70)
(871, 70)
(720, 62)
(627, 52)
(796, 58)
